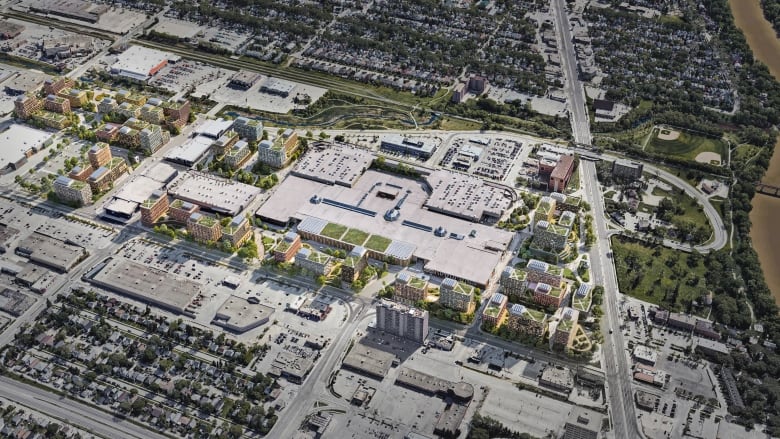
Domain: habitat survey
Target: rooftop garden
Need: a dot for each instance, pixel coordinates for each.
(355, 236)
(378, 243)
(333, 230)
(416, 282)
(492, 310)
(538, 316)
(207, 221)
(319, 258)
(565, 325)
(463, 288)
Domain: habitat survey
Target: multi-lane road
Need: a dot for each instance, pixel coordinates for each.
(615, 364)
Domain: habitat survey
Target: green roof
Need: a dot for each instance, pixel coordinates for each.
(333, 230)
(492, 310)
(556, 292)
(207, 221)
(282, 247)
(565, 324)
(463, 288)
(115, 161)
(351, 261)
(582, 303)
(378, 243)
(416, 282)
(519, 274)
(538, 316)
(558, 230)
(355, 236)
(320, 258)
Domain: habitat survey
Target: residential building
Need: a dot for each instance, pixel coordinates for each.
(287, 247)
(128, 110)
(582, 300)
(177, 113)
(51, 119)
(204, 228)
(108, 132)
(544, 210)
(353, 265)
(409, 288)
(313, 261)
(402, 320)
(559, 178)
(81, 173)
(711, 347)
(238, 230)
(527, 321)
(478, 84)
(129, 137)
(627, 170)
(152, 114)
(107, 105)
(547, 295)
(706, 329)
(55, 85)
(459, 93)
(250, 129)
(238, 155)
(76, 97)
(456, 295)
(277, 153)
(99, 154)
(103, 177)
(514, 282)
(563, 327)
(181, 211)
(582, 423)
(152, 138)
(72, 191)
(542, 272)
(25, 106)
(495, 311)
(137, 99)
(56, 104)
(222, 145)
(154, 208)
(566, 203)
(550, 236)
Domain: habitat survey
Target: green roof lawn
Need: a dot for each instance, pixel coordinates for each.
(355, 236)
(536, 315)
(333, 230)
(416, 282)
(378, 243)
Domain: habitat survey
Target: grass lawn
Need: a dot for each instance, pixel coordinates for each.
(692, 211)
(744, 153)
(333, 230)
(378, 243)
(687, 146)
(657, 274)
(355, 236)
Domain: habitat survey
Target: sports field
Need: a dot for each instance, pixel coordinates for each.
(685, 145)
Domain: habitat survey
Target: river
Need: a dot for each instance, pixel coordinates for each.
(766, 47)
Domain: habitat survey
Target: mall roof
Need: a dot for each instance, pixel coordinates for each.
(137, 62)
(213, 193)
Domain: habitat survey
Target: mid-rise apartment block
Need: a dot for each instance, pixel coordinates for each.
(514, 282)
(250, 129)
(277, 153)
(204, 228)
(409, 288)
(25, 106)
(222, 145)
(313, 261)
(238, 154)
(401, 320)
(72, 191)
(154, 208)
(152, 114)
(353, 265)
(524, 320)
(99, 155)
(456, 295)
(495, 311)
(542, 272)
(563, 327)
(238, 230)
(548, 295)
(181, 211)
(56, 104)
(287, 247)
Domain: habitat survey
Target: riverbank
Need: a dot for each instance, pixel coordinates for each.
(765, 45)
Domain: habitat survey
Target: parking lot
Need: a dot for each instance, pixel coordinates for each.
(253, 99)
(186, 75)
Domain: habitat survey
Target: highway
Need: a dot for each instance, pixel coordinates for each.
(73, 412)
(614, 362)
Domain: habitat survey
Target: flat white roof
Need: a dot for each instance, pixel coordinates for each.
(213, 193)
(122, 206)
(138, 189)
(214, 128)
(137, 61)
(16, 140)
(190, 151)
